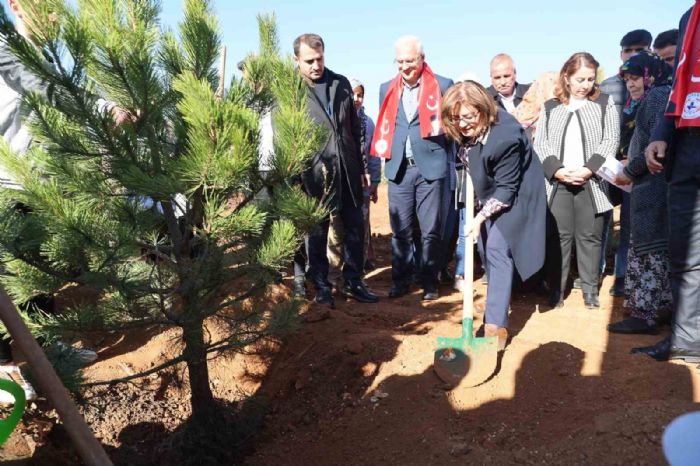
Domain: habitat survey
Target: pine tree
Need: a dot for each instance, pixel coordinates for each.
(162, 216)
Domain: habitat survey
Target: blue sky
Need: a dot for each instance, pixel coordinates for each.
(458, 36)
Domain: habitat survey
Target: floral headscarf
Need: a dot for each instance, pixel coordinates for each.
(655, 72)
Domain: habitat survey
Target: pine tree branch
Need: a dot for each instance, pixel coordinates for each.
(223, 346)
(76, 94)
(168, 211)
(153, 249)
(153, 370)
(252, 291)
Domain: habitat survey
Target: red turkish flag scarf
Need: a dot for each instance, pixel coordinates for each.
(684, 102)
(429, 101)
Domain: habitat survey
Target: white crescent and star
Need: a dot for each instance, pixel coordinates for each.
(433, 107)
(385, 127)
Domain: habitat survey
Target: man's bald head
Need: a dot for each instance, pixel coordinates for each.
(503, 74)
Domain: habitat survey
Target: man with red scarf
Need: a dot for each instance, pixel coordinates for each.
(409, 136)
(675, 149)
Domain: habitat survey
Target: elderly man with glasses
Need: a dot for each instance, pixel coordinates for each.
(410, 137)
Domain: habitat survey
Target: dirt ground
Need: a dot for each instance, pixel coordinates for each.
(355, 385)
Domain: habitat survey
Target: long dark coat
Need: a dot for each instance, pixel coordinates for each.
(507, 168)
(343, 145)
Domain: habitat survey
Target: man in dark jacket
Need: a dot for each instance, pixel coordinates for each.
(675, 150)
(504, 88)
(337, 170)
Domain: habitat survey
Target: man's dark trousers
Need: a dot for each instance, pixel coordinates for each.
(353, 243)
(410, 194)
(684, 240)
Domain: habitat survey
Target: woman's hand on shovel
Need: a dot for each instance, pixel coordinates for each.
(474, 228)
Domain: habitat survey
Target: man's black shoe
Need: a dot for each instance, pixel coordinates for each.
(555, 299)
(618, 288)
(397, 291)
(660, 351)
(299, 289)
(445, 277)
(369, 266)
(684, 354)
(430, 295)
(590, 300)
(324, 296)
(633, 325)
(359, 292)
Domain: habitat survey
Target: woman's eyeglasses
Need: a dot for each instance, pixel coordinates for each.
(457, 119)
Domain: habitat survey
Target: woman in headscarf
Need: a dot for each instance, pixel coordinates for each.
(647, 287)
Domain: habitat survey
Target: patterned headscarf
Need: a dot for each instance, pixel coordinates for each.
(655, 72)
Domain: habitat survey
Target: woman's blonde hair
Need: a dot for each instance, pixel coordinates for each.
(474, 95)
(572, 65)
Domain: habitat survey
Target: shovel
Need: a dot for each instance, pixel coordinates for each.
(466, 360)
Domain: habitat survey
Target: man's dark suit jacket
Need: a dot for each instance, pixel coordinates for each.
(430, 154)
(520, 90)
(342, 146)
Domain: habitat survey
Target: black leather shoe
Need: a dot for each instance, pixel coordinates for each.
(430, 295)
(684, 354)
(660, 351)
(618, 288)
(397, 291)
(359, 292)
(324, 296)
(590, 300)
(633, 325)
(445, 277)
(299, 289)
(555, 299)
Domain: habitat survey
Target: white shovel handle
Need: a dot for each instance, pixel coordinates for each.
(468, 285)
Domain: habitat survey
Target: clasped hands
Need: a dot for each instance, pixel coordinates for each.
(573, 176)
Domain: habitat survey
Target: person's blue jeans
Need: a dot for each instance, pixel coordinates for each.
(459, 252)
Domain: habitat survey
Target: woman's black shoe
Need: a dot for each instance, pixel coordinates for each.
(397, 291)
(633, 325)
(555, 299)
(618, 288)
(590, 300)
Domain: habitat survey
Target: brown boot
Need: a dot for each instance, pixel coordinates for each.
(492, 330)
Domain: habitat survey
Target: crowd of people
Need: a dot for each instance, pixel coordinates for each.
(548, 162)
